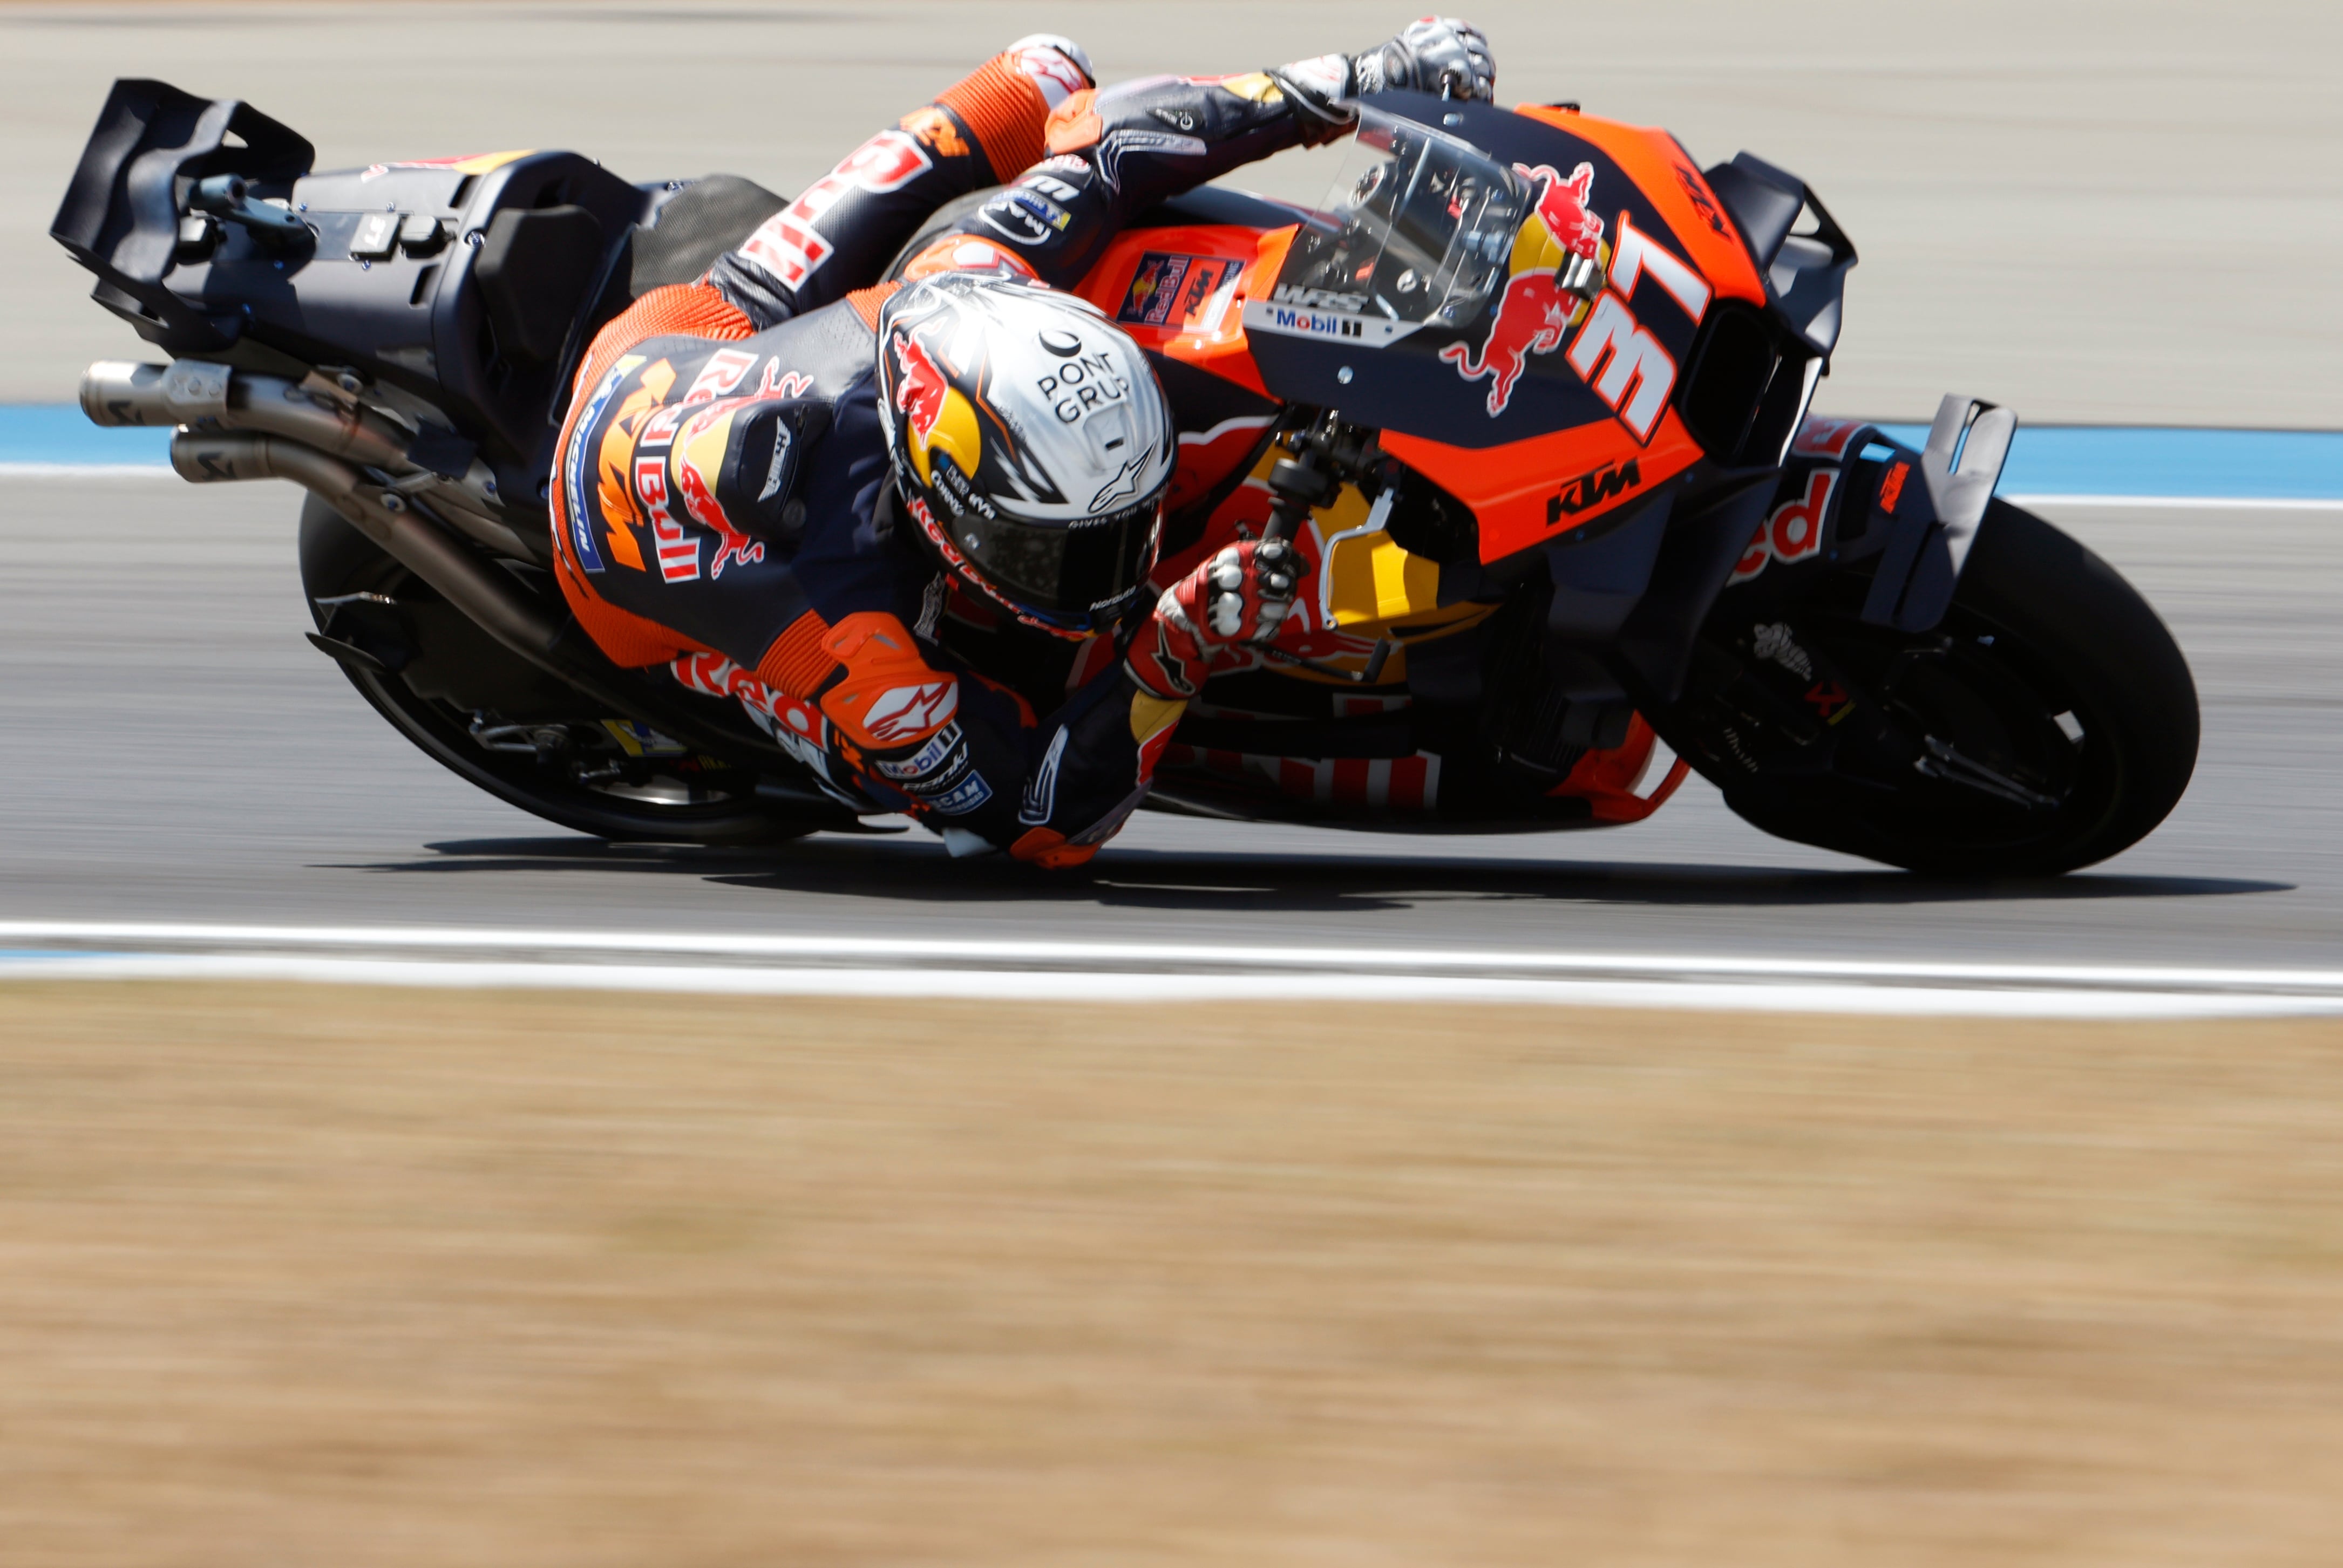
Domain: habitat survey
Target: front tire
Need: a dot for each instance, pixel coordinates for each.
(2048, 723)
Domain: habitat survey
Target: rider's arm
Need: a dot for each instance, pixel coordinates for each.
(918, 730)
(982, 130)
(1119, 150)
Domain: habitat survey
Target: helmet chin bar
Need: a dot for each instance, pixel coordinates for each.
(956, 561)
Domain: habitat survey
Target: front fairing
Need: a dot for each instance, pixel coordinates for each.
(1547, 414)
(1544, 411)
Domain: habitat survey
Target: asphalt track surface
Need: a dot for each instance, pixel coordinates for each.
(181, 754)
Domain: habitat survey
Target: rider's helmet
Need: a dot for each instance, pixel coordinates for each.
(1032, 443)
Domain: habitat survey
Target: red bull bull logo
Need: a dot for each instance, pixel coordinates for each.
(1536, 308)
(698, 461)
(941, 419)
(920, 386)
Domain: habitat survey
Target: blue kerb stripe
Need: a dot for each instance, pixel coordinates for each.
(46, 955)
(62, 433)
(2095, 460)
(2046, 461)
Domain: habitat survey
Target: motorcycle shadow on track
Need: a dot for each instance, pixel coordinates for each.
(916, 869)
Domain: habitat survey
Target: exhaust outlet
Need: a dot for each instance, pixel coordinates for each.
(118, 392)
(194, 392)
(212, 398)
(214, 458)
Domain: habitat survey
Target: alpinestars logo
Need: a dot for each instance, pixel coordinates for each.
(908, 712)
(1124, 483)
(1045, 64)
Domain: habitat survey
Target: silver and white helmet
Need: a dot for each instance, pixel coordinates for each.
(1030, 441)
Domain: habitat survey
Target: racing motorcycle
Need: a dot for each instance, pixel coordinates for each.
(1529, 393)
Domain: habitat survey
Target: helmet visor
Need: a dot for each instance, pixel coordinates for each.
(1084, 574)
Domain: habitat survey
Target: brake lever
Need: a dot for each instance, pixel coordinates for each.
(1295, 485)
(1376, 659)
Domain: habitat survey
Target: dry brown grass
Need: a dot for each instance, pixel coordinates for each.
(312, 1275)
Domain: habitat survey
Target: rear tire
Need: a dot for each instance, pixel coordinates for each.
(2049, 669)
(337, 560)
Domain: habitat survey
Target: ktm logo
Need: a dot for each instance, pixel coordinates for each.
(1596, 487)
(1699, 198)
(935, 129)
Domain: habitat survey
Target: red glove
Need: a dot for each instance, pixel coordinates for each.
(1239, 596)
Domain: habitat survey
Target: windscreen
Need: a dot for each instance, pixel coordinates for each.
(1417, 229)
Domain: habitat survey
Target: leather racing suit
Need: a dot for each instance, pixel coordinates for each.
(723, 503)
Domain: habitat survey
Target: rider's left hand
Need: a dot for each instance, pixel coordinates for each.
(1239, 596)
(1443, 55)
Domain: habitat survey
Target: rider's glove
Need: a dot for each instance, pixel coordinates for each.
(1442, 54)
(1434, 54)
(1055, 64)
(1239, 596)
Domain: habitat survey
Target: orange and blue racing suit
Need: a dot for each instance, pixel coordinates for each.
(723, 505)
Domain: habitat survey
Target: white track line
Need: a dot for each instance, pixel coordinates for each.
(1136, 972)
(1071, 955)
(87, 471)
(1127, 987)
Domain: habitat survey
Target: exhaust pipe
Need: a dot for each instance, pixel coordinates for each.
(116, 392)
(478, 590)
(390, 520)
(207, 396)
(195, 393)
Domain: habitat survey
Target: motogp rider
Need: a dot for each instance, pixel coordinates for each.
(780, 481)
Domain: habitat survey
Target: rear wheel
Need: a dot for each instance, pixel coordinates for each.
(496, 721)
(2048, 723)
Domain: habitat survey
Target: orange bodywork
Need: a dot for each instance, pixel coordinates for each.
(1512, 490)
(1510, 487)
(1210, 333)
(1656, 162)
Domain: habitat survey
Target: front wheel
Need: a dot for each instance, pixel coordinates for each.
(2048, 723)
